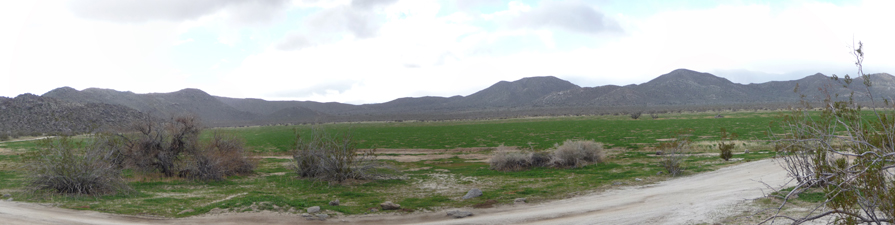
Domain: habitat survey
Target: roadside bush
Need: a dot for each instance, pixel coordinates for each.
(576, 153)
(726, 147)
(68, 167)
(845, 149)
(333, 158)
(673, 152)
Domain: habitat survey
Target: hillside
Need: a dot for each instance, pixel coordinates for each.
(677, 90)
(30, 114)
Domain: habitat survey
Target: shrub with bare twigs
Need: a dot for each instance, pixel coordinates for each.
(67, 166)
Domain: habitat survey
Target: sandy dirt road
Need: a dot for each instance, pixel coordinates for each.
(702, 198)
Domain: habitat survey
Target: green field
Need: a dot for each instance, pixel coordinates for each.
(541, 133)
(425, 184)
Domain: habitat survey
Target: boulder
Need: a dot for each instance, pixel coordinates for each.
(475, 192)
(314, 209)
(388, 205)
(459, 214)
(519, 201)
(334, 202)
(659, 152)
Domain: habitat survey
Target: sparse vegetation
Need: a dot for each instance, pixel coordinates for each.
(673, 152)
(67, 166)
(844, 151)
(425, 184)
(635, 115)
(577, 153)
(571, 154)
(725, 144)
(333, 157)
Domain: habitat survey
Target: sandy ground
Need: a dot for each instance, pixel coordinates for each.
(702, 198)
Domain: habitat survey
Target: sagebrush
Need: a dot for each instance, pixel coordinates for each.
(571, 154)
(333, 157)
(66, 166)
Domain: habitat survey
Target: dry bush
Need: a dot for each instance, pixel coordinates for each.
(224, 155)
(509, 160)
(726, 144)
(571, 154)
(846, 150)
(68, 167)
(333, 158)
(173, 148)
(540, 159)
(577, 153)
(673, 152)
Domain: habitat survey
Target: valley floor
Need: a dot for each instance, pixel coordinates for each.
(701, 198)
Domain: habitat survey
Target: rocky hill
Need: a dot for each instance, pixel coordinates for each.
(30, 114)
(678, 89)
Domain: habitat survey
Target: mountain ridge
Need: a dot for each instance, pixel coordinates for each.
(526, 96)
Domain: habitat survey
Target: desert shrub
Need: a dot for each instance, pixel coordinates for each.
(844, 149)
(508, 160)
(726, 145)
(635, 115)
(333, 157)
(224, 155)
(173, 148)
(540, 159)
(673, 152)
(65, 166)
(577, 153)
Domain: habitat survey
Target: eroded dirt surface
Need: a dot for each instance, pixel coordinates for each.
(701, 198)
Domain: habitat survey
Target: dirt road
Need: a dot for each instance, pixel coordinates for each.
(702, 198)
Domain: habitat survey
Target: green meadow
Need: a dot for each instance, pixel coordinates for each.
(429, 184)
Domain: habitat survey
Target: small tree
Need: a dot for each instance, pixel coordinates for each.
(726, 144)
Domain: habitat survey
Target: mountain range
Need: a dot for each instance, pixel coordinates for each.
(680, 89)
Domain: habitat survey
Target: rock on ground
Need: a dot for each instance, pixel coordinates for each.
(388, 205)
(459, 214)
(519, 201)
(314, 209)
(334, 202)
(475, 192)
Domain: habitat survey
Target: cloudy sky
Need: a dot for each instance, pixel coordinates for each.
(370, 51)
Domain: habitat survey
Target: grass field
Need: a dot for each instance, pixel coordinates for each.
(426, 184)
(541, 133)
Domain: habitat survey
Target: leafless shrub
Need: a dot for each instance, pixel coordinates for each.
(654, 115)
(577, 153)
(224, 155)
(635, 115)
(673, 152)
(69, 167)
(333, 158)
(173, 149)
(847, 152)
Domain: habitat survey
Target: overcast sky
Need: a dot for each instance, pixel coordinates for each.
(370, 51)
